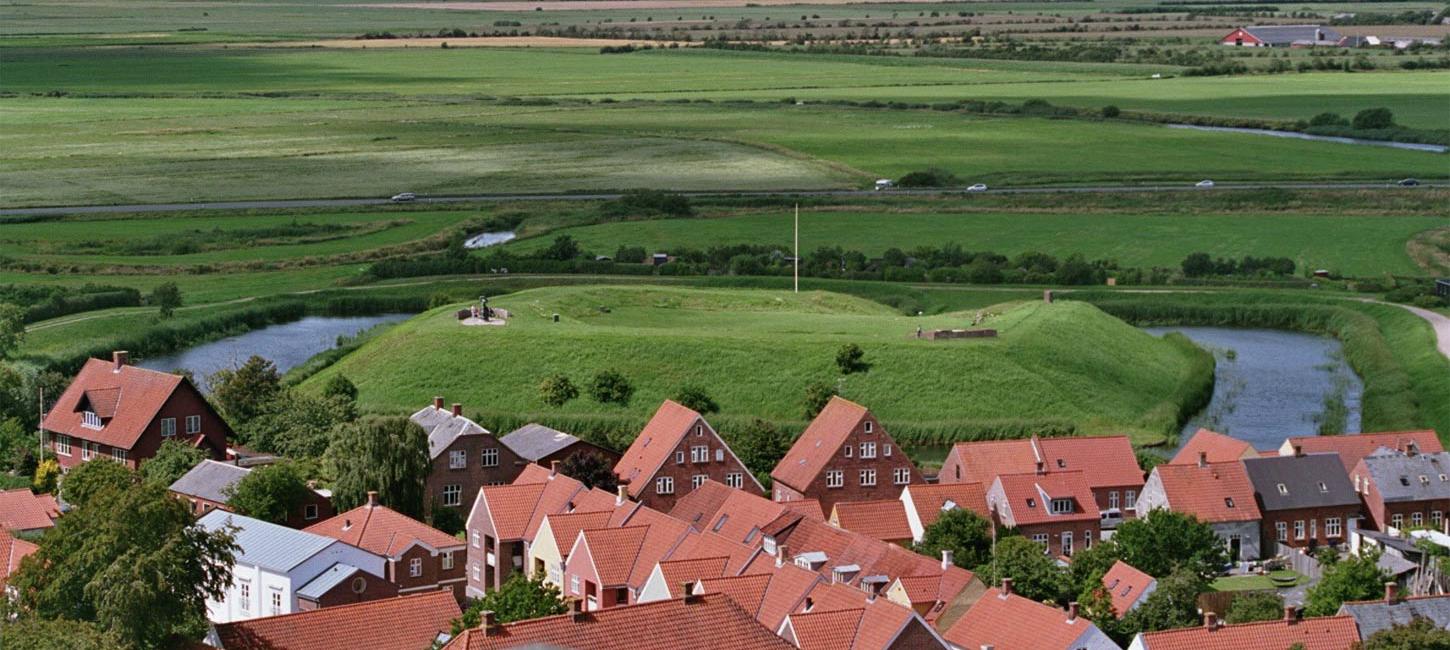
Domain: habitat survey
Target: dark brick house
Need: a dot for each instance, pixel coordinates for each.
(1306, 500)
(204, 488)
(542, 445)
(118, 412)
(675, 453)
(1404, 490)
(504, 520)
(465, 456)
(1056, 510)
(343, 584)
(843, 455)
(420, 558)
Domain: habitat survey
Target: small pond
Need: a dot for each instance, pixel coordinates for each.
(1271, 384)
(486, 239)
(286, 345)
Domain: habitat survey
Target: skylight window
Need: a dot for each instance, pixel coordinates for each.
(1324, 489)
(1283, 489)
(1228, 502)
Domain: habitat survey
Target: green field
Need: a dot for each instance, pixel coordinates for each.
(755, 351)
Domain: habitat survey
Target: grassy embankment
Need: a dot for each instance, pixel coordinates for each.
(1064, 367)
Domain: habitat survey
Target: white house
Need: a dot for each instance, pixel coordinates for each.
(274, 563)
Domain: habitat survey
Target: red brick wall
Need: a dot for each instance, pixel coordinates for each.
(916, 636)
(473, 475)
(853, 490)
(1313, 519)
(1081, 530)
(682, 472)
(432, 572)
(343, 594)
(1101, 496)
(1408, 509)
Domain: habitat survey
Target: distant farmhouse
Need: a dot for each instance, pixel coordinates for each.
(1282, 36)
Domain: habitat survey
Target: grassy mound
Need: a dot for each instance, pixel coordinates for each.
(1060, 367)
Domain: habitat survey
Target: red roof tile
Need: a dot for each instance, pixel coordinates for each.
(1012, 622)
(881, 624)
(1028, 497)
(808, 507)
(818, 443)
(739, 516)
(1105, 461)
(654, 444)
(1125, 585)
(132, 394)
(700, 505)
(833, 630)
(1219, 447)
(1325, 633)
(594, 500)
(561, 494)
(883, 520)
(22, 510)
(697, 545)
(566, 526)
(788, 587)
(403, 622)
(709, 621)
(384, 531)
(930, 500)
(746, 591)
(1352, 447)
(510, 507)
(615, 551)
(678, 572)
(936, 588)
(12, 551)
(1206, 492)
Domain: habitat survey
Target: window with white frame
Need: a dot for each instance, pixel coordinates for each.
(1417, 519)
(835, 478)
(1281, 531)
(850, 451)
(477, 574)
(886, 449)
(276, 603)
(1333, 527)
(574, 584)
(193, 424)
(1041, 538)
(458, 459)
(489, 456)
(244, 590)
(868, 477)
(309, 512)
(1087, 539)
(415, 567)
(699, 429)
(1298, 529)
(735, 479)
(1397, 520)
(452, 494)
(720, 455)
(1436, 517)
(118, 455)
(168, 427)
(698, 480)
(1061, 506)
(664, 485)
(868, 450)
(85, 450)
(62, 444)
(1113, 499)
(901, 475)
(90, 420)
(679, 458)
(447, 560)
(699, 454)
(475, 539)
(867, 426)
(1131, 499)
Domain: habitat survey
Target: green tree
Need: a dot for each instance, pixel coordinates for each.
(519, 599)
(83, 484)
(590, 468)
(386, 454)
(35, 633)
(611, 387)
(166, 297)
(340, 387)
(243, 393)
(851, 359)
(818, 394)
(172, 459)
(1328, 119)
(296, 424)
(1165, 541)
(563, 249)
(1374, 118)
(695, 398)
(1090, 565)
(963, 532)
(17, 444)
(556, 390)
(1034, 574)
(1356, 577)
(1173, 604)
(131, 562)
(760, 445)
(1418, 634)
(12, 328)
(270, 492)
(1253, 606)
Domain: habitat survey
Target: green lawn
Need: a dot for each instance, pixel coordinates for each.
(1255, 582)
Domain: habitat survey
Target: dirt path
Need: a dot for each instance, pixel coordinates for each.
(1440, 323)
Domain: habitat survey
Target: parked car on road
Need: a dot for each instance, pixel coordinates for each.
(404, 197)
(977, 188)
(1409, 182)
(884, 184)
(1204, 183)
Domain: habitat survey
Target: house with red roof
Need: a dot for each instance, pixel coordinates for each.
(506, 518)
(1353, 447)
(1056, 510)
(884, 519)
(1002, 620)
(1323, 633)
(876, 624)
(123, 413)
(608, 567)
(1106, 463)
(549, 551)
(419, 556)
(1219, 494)
(12, 551)
(677, 452)
(465, 456)
(843, 455)
(940, 598)
(1127, 587)
(415, 621)
(1215, 446)
(23, 511)
(925, 502)
(694, 621)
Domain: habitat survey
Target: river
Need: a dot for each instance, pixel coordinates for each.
(286, 345)
(1410, 146)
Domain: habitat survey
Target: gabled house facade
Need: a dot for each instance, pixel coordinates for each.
(1055, 510)
(843, 455)
(1218, 494)
(1306, 500)
(465, 457)
(420, 558)
(1106, 463)
(675, 453)
(1404, 490)
(118, 412)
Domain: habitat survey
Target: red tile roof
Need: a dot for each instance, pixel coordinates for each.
(1125, 585)
(929, 500)
(1105, 461)
(808, 507)
(403, 622)
(1029, 496)
(384, 531)
(698, 545)
(12, 551)
(699, 505)
(1012, 622)
(1205, 492)
(566, 527)
(710, 621)
(747, 591)
(133, 395)
(510, 507)
(788, 587)
(845, 619)
(1219, 447)
(561, 494)
(678, 572)
(1325, 633)
(883, 520)
(939, 589)
(654, 444)
(22, 510)
(594, 500)
(832, 630)
(733, 514)
(820, 441)
(1352, 447)
(615, 551)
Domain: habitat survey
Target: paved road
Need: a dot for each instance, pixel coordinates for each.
(481, 198)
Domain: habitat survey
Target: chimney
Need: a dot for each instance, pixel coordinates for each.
(438, 403)
(1291, 613)
(1210, 621)
(1203, 459)
(457, 410)
(487, 622)
(1298, 450)
(553, 468)
(119, 358)
(621, 495)
(687, 588)
(372, 498)
(947, 559)
(1392, 592)
(1006, 586)
(782, 555)
(1072, 612)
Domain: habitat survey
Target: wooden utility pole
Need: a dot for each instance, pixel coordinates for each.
(797, 248)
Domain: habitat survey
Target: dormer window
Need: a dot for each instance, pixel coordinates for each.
(1061, 506)
(90, 420)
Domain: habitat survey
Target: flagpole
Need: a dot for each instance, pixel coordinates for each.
(797, 248)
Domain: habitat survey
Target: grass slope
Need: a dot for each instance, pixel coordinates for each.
(755, 351)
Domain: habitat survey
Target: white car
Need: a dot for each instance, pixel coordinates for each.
(404, 197)
(977, 188)
(1204, 184)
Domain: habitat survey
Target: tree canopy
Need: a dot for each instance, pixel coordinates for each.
(270, 492)
(173, 459)
(520, 598)
(1034, 574)
(1253, 606)
(386, 454)
(695, 398)
(243, 392)
(1354, 577)
(1165, 541)
(590, 468)
(83, 484)
(12, 328)
(963, 532)
(1418, 634)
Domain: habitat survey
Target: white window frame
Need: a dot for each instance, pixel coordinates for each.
(118, 454)
(453, 494)
(866, 426)
(193, 424)
(1112, 499)
(679, 458)
(90, 420)
(665, 485)
(835, 478)
(1397, 520)
(719, 455)
(1436, 517)
(1065, 543)
(735, 480)
(244, 594)
(1061, 506)
(168, 427)
(1130, 498)
(86, 452)
(447, 560)
(867, 478)
(1281, 531)
(697, 480)
(415, 567)
(276, 602)
(475, 539)
(310, 511)
(477, 574)
(901, 475)
(868, 450)
(1417, 519)
(699, 454)
(488, 457)
(1332, 527)
(62, 444)
(850, 451)
(1298, 529)
(1042, 538)
(886, 449)
(458, 459)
